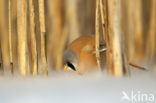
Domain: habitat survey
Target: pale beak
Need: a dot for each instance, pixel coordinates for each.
(66, 67)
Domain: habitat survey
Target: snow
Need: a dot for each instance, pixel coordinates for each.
(67, 87)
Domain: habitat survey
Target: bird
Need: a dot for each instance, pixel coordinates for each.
(80, 55)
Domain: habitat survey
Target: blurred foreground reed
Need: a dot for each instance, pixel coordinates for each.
(35, 33)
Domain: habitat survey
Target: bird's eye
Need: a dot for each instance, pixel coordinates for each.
(71, 66)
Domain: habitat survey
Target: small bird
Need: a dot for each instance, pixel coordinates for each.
(80, 55)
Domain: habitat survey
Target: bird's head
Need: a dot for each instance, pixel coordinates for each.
(70, 60)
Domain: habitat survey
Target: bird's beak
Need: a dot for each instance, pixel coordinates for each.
(66, 67)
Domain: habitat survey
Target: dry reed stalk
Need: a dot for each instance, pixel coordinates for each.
(72, 15)
(33, 38)
(14, 10)
(103, 34)
(29, 56)
(151, 38)
(130, 30)
(10, 33)
(14, 33)
(49, 33)
(4, 36)
(38, 35)
(102, 19)
(97, 34)
(1, 62)
(117, 58)
(42, 34)
(29, 61)
(137, 66)
(108, 39)
(22, 35)
(42, 16)
(57, 34)
(138, 29)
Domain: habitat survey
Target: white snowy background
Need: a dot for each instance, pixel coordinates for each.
(67, 87)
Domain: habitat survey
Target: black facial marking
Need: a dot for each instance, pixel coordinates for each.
(71, 66)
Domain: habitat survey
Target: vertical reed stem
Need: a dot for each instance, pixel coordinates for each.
(102, 19)
(97, 34)
(138, 29)
(42, 34)
(1, 62)
(131, 30)
(151, 38)
(33, 38)
(117, 60)
(10, 34)
(4, 36)
(58, 32)
(22, 35)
